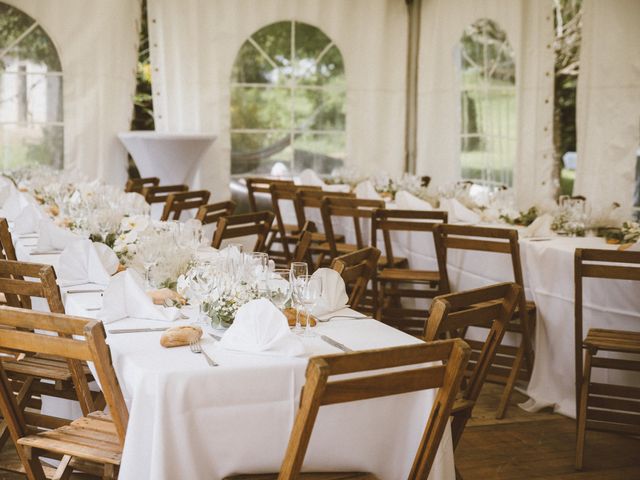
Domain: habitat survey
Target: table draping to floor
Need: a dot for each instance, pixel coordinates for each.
(549, 278)
(189, 420)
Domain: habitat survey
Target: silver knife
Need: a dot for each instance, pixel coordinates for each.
(90, 290)
(215, 337)
(338, 345)
(49, 252)
(137, 330)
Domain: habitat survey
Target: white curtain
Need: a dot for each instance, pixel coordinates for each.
(97, 42)
(529, 28)
(194, 44)
(608, 107)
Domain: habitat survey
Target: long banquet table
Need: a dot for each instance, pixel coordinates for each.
(549, 277)
(189, 420)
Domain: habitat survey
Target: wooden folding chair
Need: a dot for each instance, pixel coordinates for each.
(287, 233)
(244, 225)
(96, 439)
(350, 209)
(394, 284)
(212, 212)
(157, 194)
(138, 184)
(604, 406)
(34, 376)
(257, 186)
(489, 307)
(451, 357)
(309, 202)
(357, 269)
(177, 203)
(501, 241)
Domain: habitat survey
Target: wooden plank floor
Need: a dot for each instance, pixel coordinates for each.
(539, 446)
(521, 446)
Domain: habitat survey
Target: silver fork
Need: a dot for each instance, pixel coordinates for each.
(196, 347)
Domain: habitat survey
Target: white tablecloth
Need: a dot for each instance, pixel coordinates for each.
(191, 421)
(548, 276)
(172, 157)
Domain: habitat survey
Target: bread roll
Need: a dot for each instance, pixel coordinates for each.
(178, 336)
(290, 313)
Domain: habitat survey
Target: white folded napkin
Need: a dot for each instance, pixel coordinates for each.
(309, 177)
(367, 191)
(408, 201)
(334, 293)
(14, 204)
(259, 327)
(458, 213)
(86, 262)
(53, 237)
(125, 297)
(540, 227)
(29, 220)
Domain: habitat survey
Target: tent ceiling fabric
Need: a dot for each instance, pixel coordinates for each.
(194, 44)
(608, 104)
(529, 28)
(98, 47)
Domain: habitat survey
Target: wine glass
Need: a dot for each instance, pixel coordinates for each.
(297, 272)
(202, 282)
(149, 251)
(279, 287)
(259, 268)
(311, 293)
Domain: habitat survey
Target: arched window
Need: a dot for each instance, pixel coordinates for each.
(287, 101)
(31, 129)
(488, 105)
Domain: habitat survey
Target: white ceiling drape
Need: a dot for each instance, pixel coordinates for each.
(194, 44)
(98, 47)
(608, 105)
(529, 28)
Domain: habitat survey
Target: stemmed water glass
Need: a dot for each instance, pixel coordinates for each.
(280, 288)
(149, 255)
(311, 293)
(259, 263)
(297, 273)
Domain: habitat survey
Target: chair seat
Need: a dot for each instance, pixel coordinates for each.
(406, 275)
(41, 367)
(91, 438)
(613, 340)
(309, 476)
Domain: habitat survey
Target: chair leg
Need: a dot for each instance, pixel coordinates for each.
(581, 414)
(458, 422)
(511, 381)
(64, 470)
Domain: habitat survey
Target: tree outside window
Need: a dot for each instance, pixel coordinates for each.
(288, 95)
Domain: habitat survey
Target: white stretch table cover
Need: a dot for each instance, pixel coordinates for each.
(172, 157)
(549, 279)
(188, 420)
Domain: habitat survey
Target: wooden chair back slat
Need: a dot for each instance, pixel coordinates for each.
(318, 391)
(92, 348)
(452, 314)
(357, 269)
(261, 185)
(211, 213)
(354, 208)
(138, 184)
(159, 194)
(236, 226)
(177, 203)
